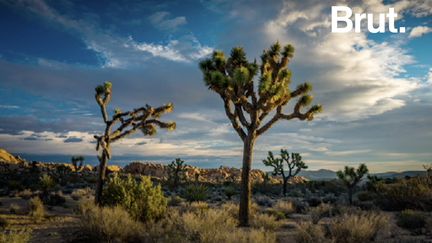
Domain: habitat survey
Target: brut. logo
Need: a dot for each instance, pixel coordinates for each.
(359, 17)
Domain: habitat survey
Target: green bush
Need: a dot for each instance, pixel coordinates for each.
(36, 209)
(229, 191)
(411, 220)
(108, 224)
(414, 193)
(140, 198)
(195, 192)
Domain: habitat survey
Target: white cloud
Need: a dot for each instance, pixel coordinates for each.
(162, 21)
(419, 31)
(354, 77)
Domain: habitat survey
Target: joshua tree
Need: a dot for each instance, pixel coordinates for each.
(122, 124)
(351, 177)
(253, 109)
(176, 172)
(295, 165)
(77, 162)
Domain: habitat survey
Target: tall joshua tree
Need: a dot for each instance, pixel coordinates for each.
(351, 177)
(295, 165)
(248, 106)
(122, 124)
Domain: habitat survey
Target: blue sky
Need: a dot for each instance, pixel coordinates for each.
(375, 88)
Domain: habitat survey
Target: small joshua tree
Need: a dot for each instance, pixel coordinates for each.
(253, 109)
(176, 172)
(295, 165)
(77, 162)
(122, 124)
(351, 177)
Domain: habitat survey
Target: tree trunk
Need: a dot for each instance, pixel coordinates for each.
(285, 184)
(245, 193)
(350, 192)
(101, 178)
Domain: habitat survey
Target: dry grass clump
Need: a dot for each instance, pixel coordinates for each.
(322, 211)
(347, 228)
(25, 194)
(82, 193)
(358, 228)
(218, 225)
(15, 236)
(310, 233)
(286, 207)
(199, 223)
(108, 224)
(36, 209)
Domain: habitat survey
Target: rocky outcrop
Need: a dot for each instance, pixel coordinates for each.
(215, 175)
(6, 157)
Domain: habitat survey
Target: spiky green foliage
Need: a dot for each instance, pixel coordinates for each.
(122, 124)
(140, 198)
(351, 177)
(176, 172)
(294, 165)
(252, 112)
(77, 162)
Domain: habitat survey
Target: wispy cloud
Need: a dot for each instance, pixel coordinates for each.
(162, 21)
(119, 51)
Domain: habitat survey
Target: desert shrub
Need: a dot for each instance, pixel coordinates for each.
(140, 198)
(322, 211)
(3, 223)
(265, 221)
(198, 206)
(25, 194)
(414, 193)
(411, 220)
(195, 192)
(357, 228)
(54, 199)
(366, 196)
(36, 209)
(175, 201)
(216, 225)
(14, 208)
(108, 224)
(46, 183)
(229, 191)
(82, 193)
(310, 233)
(264, 201)
(286, 207)
(15, 236)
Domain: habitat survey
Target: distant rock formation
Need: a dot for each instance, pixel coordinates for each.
(5, 156)
(215, 175)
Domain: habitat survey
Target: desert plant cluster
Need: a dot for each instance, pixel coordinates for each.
(180, 203)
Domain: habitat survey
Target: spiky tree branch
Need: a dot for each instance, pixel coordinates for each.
(122, 124)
